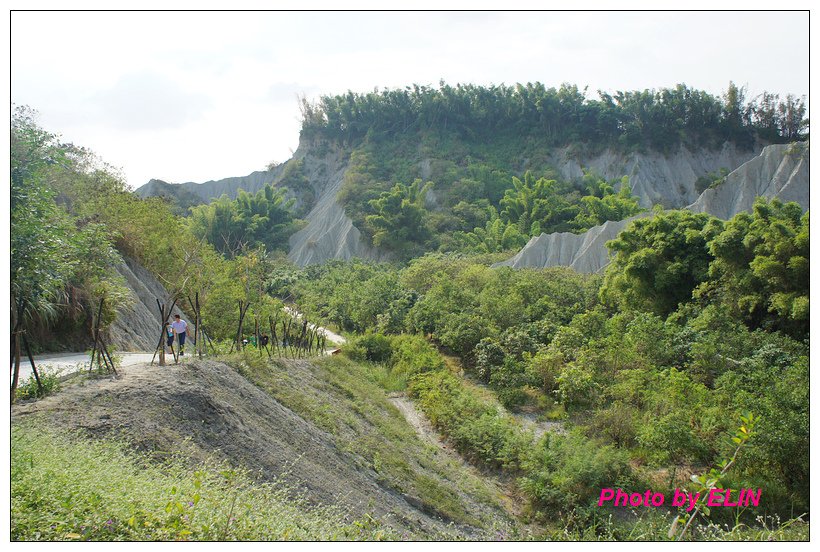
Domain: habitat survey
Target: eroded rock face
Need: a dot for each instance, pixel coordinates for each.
(664, 179)
(583, 252)
(656, 178)
(780, 171)
(329, 233)
(137, 327)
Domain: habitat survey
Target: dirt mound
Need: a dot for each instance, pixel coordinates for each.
(206, 410)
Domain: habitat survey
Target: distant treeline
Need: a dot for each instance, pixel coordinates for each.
(659, 119)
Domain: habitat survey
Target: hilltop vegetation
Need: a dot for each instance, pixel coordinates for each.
(658, 119)
(481, 155)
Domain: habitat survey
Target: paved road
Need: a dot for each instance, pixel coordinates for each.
(336, 338)
(65, 363)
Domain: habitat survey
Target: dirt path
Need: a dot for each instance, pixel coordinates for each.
(508, 494)
(528, 420)
(418, 421)
(539, 427)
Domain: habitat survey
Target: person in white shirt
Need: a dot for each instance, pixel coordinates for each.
(180, 326)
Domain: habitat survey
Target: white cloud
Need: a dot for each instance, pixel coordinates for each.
(203, 95)
(147, 101)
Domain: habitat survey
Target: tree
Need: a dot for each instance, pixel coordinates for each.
(760, 270)
(607, 205)
(232, 226)
(399, 219)
(735, 116)
(792, 118)
(659, 261)
(496, 235)
(542, 201)
(52, 253)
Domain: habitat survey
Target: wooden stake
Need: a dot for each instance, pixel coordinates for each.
(161, 344)
(16, 367)
(256, 333)
(31, 360)
(15, 336)
(198, 326)
(273, 337)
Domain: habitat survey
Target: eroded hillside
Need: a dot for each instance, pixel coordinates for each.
(780, 171)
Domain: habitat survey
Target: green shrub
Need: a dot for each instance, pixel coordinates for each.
(616, 423)
(509, 381)
(564, 472)
(29, 389)
(576, 385)
(412, 354)
(375, 346)
(671, 438)
(478, 430)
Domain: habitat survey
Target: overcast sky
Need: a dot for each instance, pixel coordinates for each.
(201, 96)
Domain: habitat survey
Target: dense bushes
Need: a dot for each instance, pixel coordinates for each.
(405, 355)
(477, 428)
(555, 472)
(355, 296)
(661, 387)
(563, 472)
(755, 265)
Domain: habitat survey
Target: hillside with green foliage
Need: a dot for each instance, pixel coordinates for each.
(484, 155)
(474, 168)
(636, 378)
(655, 360)
(73, 219)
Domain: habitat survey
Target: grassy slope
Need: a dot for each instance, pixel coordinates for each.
(68, 487)
(73, 485)
(345, 399)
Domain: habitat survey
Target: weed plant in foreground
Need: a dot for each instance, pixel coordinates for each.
(68, 487)
(28, 388)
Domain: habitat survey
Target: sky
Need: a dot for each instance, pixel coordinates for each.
(196, 96)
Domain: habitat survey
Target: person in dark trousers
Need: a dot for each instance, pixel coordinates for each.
(169, 335)
(180, 327)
